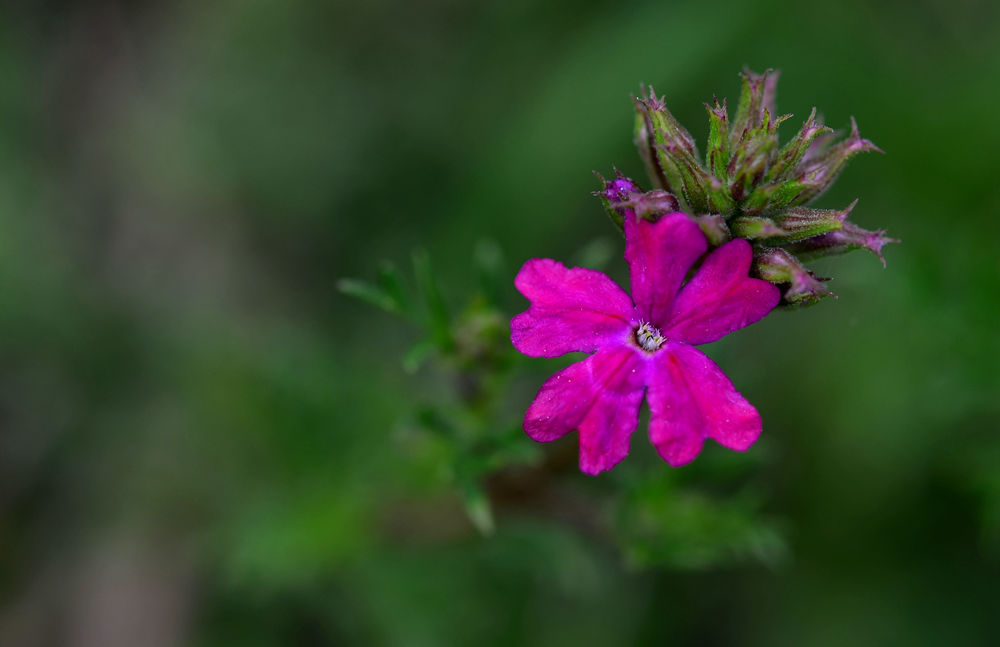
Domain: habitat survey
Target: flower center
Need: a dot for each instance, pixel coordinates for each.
(648, 337)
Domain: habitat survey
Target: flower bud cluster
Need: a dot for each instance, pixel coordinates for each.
(748, 185)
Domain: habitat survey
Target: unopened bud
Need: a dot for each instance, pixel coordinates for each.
(800, 223)
(818, 175)
(717, 156)
(849, 237)
(669, 149)
(791, 154)
(757, 97)
(715, 229)
(756, 228)
(622, 198)
(800, 286)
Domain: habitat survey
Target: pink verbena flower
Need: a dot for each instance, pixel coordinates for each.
(643, 344)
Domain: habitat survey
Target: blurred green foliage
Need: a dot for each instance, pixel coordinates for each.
(183, 186)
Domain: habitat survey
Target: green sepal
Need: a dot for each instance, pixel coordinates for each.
(752, 156)
(787, 160)
(818, 175)
(756, 98)
(801, 223)
(717, 155)
(773, 198)
(675, 155)
(755, 228)
(643, 140)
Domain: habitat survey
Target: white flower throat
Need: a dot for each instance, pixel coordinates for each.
(649, 338)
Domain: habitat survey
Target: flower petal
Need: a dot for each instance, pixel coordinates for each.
(572, 309)
(721, 297)
(691, 399)
(659, 255)
(600, 397)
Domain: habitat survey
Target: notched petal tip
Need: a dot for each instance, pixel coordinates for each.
(680, 451)
(691, 399)
(599, 397)
(572, 309)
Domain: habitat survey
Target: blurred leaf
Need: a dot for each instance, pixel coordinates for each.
(437, 311)
(434, 421)
(478, 508)
(489, 261)
(370, 294)
(391, 282)
(662, 524)
(416, 356)
(596, 254)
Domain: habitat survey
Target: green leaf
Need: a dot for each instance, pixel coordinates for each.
(478, 508)
(371, 294)
(391, 283)
(417, 354)
(490, 265)
(437, 312)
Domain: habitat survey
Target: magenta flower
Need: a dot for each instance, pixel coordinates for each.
(643, 344)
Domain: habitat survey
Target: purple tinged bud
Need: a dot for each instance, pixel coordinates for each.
(800, 286)
(752, 156)
(643, 140)
(820, 173)
(821, 144)
(715, 229)
(800, 223)
(614, 193)
(665, 127)
(702, 191)
(791, 154)
(670, 155)
(746, 170)
(756, 98)
(849, 237)
(769, 100)
(654, 203)
(620, 189)
(623, 198)
(748, 185)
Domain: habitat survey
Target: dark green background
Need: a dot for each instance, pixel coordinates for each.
(198, 432)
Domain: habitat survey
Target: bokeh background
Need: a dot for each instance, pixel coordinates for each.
(203, 442)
